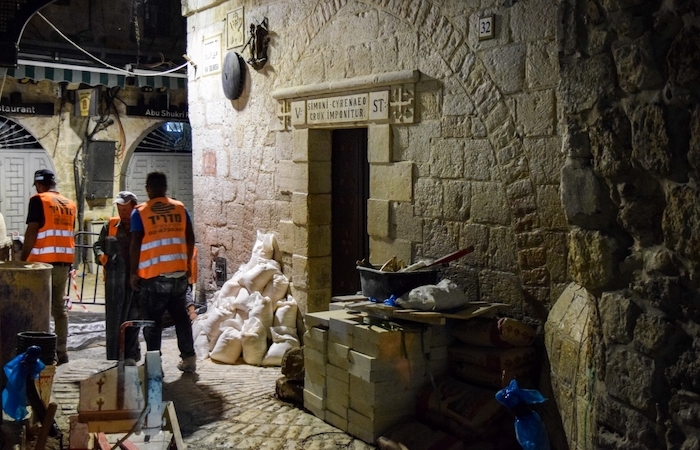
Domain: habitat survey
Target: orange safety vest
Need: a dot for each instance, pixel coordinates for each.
(54, 241)
(194, 268)
(164, 245)
(111, 231)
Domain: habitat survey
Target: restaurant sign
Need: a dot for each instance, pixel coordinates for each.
(28, 109)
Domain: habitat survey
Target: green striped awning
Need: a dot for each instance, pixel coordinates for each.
(92, 76)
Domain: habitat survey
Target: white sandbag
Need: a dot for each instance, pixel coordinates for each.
(286, 313)
(431, 297)
(229, 289)
(261, 308)
(257, 278)
(281, 342)
(201, 346)
(235, 278)
(276, 288)
(197, 324)
(235, 322)
(228, 347)
(241, 302)
(264, 246)
(254, 341)
(210, 326)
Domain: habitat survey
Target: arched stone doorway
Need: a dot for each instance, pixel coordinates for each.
(168, 149)
(20, 156)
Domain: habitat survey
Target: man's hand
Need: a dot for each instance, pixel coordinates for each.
(134, 281)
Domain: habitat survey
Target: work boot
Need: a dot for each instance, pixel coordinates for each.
(61, 358)
(188, 365)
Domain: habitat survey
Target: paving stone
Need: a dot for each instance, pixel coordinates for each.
(221, 406)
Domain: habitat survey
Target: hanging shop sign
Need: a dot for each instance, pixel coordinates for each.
(28, 109)
(172, 114)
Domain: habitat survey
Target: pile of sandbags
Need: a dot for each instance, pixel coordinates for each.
(251, 315)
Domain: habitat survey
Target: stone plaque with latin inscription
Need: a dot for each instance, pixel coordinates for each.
(346, 108)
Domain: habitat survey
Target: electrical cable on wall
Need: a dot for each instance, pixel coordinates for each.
(124, 71)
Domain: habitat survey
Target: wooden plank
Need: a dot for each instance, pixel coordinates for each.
(387, 312)
(46, 426)
(476, 310)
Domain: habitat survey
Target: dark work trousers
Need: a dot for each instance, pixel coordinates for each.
(159, 294)
(121, 304)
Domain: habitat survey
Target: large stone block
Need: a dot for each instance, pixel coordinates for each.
(378, 218)
(489, 205)
(313, 241)
(447, 158)
(457, 196)
(629, 377)
(507, 64)
(319, 179)
(592, 261)
(392, 182)
(542, 64)
(479, 160)
(550, 208)
(429, 197)
(618, 315)
(536, 20)
(546, 159)
(382, 250)
(379, 143)
(292, 177)
(535, 112)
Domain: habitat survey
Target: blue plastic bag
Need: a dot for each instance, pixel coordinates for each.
(529, 429)
(14, 396)
(391, 301)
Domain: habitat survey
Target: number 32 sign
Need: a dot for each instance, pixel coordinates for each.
(486, 27)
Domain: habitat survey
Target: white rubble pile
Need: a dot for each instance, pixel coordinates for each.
(251, 315)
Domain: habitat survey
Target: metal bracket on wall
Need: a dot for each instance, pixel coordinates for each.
(220, 271)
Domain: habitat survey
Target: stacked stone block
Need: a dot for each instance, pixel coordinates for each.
(365, 378)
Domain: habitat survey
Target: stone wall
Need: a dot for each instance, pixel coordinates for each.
(477, 163)
(564, 149)
(629, 107)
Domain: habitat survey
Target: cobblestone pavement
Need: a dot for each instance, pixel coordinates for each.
(221, 406)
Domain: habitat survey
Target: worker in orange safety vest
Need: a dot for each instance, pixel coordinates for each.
(121, 302)
(162, 245)
(49, 238)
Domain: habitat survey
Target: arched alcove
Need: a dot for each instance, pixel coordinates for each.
(20, 156)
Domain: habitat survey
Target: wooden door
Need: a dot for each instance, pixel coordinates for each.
(350, 188)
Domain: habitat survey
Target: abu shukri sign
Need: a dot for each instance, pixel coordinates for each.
(172, 114)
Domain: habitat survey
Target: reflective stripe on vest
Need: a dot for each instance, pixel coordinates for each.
(54, 241)
(164, 246)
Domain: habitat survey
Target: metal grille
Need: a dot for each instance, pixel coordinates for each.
(169, 137)
(14, 137)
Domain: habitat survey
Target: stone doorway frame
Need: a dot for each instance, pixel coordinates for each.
(306, 178)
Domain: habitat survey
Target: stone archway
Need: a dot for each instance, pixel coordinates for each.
(461, 63)
(20, 156)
